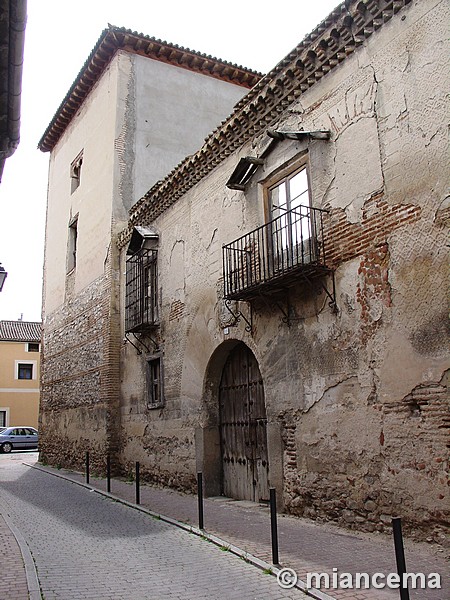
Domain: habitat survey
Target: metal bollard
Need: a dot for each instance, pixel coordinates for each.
(87, 467)
(138, 490)
(108, 474)
(200, 500)
(400, 556)
(273, 524)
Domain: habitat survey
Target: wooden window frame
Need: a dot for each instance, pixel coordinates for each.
(155, 380)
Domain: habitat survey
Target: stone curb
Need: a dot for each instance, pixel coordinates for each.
(249, 558)
(34, 588)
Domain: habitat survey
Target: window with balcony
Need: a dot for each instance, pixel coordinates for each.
(290, 215)
(290, 244)
(141, 293)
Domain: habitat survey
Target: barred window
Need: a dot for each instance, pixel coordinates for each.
(154, 383)
(141, 295)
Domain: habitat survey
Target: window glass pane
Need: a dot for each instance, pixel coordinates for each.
(25, 371)
(290, 215)
(154, 382)
(278, 200)
(298, 188)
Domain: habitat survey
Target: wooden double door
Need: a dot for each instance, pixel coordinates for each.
(243, 428)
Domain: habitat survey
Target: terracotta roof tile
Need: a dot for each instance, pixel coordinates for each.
(20, 331)
(330, 43)
(113, 39)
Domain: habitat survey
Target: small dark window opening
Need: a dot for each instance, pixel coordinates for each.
(25, 371)
(75, 173)
(33, 347)
(72, 244)
(154, 383)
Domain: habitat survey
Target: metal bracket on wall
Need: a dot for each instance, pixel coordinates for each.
(284, 304)
(286, 318)
(330, 293)
(139, 351)
(239, 315)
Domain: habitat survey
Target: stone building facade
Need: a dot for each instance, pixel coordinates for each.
(109, 141)
(280, 296)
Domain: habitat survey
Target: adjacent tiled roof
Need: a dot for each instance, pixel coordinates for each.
(113, 39)
(330, 43)
(20, 331)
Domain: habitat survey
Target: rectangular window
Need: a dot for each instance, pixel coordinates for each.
(75, 172)
(33, 347)
(3, 418)
(24, 371)
(291, 219)
(72, 244)
(154, 383)
(141, 293)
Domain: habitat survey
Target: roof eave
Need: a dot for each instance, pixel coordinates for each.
(329, 44)
(109, 43)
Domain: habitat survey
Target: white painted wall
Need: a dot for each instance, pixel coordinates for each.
(175, 110)
(140, 120)
(92, 130)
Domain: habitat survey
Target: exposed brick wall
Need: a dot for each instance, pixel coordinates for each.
(344, 240)
(364, 490)
(373, 291)
(176, 310)
(79, 380)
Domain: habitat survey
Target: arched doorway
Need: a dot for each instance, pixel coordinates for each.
(243, 427)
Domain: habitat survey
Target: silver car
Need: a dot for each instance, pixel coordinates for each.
(18, 438)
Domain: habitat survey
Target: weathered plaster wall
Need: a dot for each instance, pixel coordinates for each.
(78, 376)
(360, 396)
(174, 109)
(140, 119)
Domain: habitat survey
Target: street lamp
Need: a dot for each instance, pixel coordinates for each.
(3, 275)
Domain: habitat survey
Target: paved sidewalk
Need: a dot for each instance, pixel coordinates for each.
(88, 546)
(303, 545)
(14, 581)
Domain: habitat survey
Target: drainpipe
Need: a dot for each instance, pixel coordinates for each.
(17, 24)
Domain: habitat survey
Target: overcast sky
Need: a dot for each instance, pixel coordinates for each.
(59, 37)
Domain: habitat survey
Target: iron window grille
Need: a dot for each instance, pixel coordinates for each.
(141, 295)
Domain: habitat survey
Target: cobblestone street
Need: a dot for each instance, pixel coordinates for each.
(86, 546)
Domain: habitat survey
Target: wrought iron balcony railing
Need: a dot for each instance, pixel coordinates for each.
(141, 292)
(275, 254)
